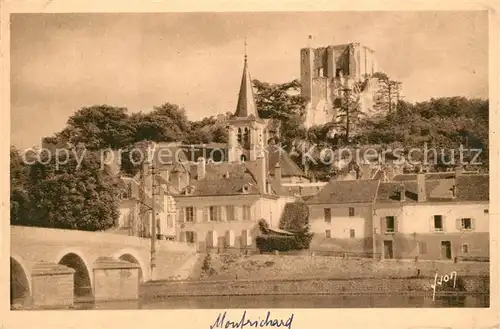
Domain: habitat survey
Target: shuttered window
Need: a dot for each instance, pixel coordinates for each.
(190, 214)
(229, 238)
(230, 213)
(465, 224)
(190, 237)
(215, 214)
(247, 212)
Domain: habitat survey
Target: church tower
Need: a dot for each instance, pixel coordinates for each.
(248, 133)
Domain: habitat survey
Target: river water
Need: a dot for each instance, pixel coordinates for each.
(295, 301)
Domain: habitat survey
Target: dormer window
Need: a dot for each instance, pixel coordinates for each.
(189, 190)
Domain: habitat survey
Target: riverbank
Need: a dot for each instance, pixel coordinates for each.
(469, 285)
(256, 267)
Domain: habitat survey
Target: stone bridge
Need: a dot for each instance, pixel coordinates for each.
(33, 248)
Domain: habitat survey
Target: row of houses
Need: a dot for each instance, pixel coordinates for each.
(423, 217)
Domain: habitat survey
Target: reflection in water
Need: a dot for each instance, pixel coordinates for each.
(295, 301)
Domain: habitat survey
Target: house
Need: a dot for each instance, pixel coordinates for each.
(222, 205)
(220, 202)
(428, 218)
(340, 216)
(136, 206)
(433, 218)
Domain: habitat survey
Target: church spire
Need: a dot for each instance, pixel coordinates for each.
(246, 101)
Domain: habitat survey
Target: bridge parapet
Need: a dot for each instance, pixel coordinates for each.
(80, 250)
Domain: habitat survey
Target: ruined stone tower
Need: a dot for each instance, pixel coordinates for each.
(327, 71)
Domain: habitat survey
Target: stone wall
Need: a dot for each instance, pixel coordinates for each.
(306, 286)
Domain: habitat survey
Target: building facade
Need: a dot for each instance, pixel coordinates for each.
(426, 218)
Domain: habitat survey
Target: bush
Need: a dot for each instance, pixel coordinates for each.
(304, 239)
(263, 226)
(206, 263)
(278, 242)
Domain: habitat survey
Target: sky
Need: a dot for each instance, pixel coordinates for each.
(63, 62)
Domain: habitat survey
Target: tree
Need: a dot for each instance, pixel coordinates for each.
(73, 196)
(349, 115)
(98, 127)
(19, 198)
(388, 94)
(166, 123)
(282, 102)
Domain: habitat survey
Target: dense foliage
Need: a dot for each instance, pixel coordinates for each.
(68, 196)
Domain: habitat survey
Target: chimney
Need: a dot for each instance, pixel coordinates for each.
(146, 175)
(421, 194)
(402, 193)
(261, 173)
(201, 169)
(383, 175)
(277, 172)
(175, 177)
(459, 170)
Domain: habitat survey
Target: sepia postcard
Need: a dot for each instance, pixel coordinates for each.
(250, 165)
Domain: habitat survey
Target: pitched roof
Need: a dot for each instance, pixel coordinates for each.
(216, 182)
(469, 188)
(288, 167)
(473, 187)
(354, 191)
(246, 102)
(389, 191)
(433, 175)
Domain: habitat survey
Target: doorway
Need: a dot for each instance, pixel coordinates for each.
(445, 249)
(388, 252)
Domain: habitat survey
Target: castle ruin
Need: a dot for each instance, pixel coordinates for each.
(326, 74)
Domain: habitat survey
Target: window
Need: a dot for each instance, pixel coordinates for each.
(352, 233)
(229, 213)
(422, 247)
(389, 224)
(465, 248)
(466, 223)
(486, 211)
(351, 211)
(215, 214)
(438, 223)
(189, 214)
(328, 234)
(190, 237)
(240, 135)
(247, 213)
(328, 215)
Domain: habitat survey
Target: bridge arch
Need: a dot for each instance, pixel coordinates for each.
(83, 282)
(20, 280)
(132, 256)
